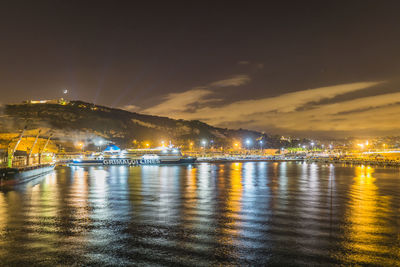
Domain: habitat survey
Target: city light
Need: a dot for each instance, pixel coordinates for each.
(80, 145)
(249, 133)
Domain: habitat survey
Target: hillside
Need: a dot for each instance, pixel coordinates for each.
(80, 121)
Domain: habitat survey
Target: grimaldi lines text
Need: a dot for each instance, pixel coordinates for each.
(130, 161)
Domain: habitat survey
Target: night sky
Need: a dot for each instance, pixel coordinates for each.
(296, 67)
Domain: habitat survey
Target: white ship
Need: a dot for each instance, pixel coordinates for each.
(161, 155)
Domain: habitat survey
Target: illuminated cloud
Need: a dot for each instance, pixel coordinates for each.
(371, 114)
(131, 108)
(287, 112)
(234, 81)
(176, 104)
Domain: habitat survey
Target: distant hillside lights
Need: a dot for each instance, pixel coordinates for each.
(60, 101)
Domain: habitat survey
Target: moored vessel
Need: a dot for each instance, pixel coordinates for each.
(13, 176)
(19, 166)
(131, 157)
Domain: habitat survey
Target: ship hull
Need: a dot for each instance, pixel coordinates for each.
(13, 176)
(130, 162)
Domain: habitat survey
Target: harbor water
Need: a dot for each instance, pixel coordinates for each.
(251, 213)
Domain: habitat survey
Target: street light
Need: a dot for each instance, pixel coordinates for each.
(81, 145)
(204, 143)
(312, 145)
(248, 142)
(100, 144)
(162, 143)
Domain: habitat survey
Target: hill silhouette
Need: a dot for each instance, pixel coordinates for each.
(80, 120)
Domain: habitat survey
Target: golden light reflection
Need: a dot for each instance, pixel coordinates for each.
(34, 211)
(366, 215)
(136, 188)
(43, 196)
(3, 214)
(191, 190)
(233, 201)
(189, 211)
(79, 196)
(41, 211)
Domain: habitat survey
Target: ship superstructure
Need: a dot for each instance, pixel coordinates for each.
(160, 155)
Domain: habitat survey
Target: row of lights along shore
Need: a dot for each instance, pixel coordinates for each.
(204, 144)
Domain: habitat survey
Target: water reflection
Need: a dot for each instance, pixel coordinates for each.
(253, 213)
(3, 215)
(368, 239)
(78, 195)
(189, 223)
(234, 194)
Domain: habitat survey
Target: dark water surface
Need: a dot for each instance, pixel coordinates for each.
(207, 214)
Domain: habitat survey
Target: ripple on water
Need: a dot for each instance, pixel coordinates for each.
(205, 214)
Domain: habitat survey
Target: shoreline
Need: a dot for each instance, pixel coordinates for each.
(378, 163)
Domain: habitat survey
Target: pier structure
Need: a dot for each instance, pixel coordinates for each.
(11, 152)
(32, 154)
